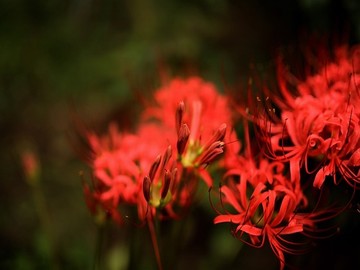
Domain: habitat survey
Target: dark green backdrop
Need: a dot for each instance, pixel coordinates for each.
(95, 57)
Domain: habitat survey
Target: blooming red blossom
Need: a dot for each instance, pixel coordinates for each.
(266, 206)
(201, 120)
(320, 122)
(124, 164)
(121, 161)
(173, 178)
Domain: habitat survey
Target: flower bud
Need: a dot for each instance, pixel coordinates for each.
(146, 188)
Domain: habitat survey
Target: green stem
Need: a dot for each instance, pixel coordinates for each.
(98, 247)
(151, 226)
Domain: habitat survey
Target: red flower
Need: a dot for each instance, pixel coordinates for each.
(320, 122)
(259, 198)
(123, 163)
(120, 163)
(201, 119)
(266, 206)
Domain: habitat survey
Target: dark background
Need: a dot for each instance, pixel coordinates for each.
(95, 58)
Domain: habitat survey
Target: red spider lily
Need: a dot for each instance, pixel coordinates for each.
(319, 122)
(266, 205)
(181, 172)
(260, 219)
(121, 160)
(169, 191)
(201, 119)
(191, 152)
(120, 163)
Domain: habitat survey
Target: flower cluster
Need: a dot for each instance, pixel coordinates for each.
(321, 122)
(158, 168)
(300, 139)
(307, 134)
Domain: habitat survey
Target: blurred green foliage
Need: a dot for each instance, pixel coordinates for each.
(96, 57)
